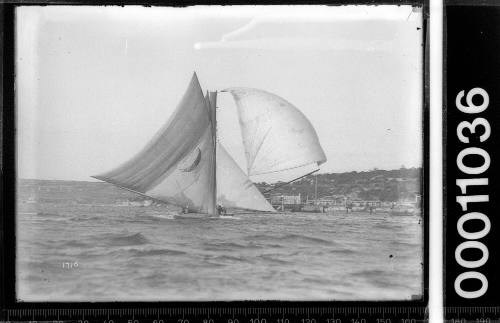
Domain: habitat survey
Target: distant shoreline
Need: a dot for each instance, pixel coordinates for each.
(91, 180)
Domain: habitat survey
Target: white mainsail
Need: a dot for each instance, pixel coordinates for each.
(177, 165)
(276, 135)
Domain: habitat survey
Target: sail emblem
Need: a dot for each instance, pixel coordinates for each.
(190, 162)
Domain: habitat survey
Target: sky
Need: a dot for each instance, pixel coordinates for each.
(94, 84)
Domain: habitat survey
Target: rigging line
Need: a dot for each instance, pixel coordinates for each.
(272, 189)
(281, 170)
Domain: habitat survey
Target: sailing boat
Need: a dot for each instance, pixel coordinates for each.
(185, 165)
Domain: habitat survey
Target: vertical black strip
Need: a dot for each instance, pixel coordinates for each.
(472, 34)
(8, 171)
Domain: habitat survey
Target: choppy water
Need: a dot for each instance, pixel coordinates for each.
(79, 251)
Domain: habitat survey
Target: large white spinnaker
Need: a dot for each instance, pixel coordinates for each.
(276, 135)
(234, 188)
(177, 165)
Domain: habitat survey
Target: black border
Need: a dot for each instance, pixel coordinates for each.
(8, 175)
(490, 302)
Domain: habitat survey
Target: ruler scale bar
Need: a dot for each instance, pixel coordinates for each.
(412, 314)
(350, 314)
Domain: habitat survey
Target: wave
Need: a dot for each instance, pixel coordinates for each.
(32, 278)
(155, 278)
(75, 243)
(156, 252)
(208, 264)
(227, 246)
(342, 251)
(387, 284)
(384, 225)
(369, 273)
(85, 218)
(47, 214)
(291, 237)
(155, 217)
(129, 240)
(94, 252)
(313, 280)
(132, 252)
(404, 244)
(229, 258)
(271, 259)
(272, 245)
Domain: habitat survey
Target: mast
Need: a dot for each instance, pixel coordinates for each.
(212, 96)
